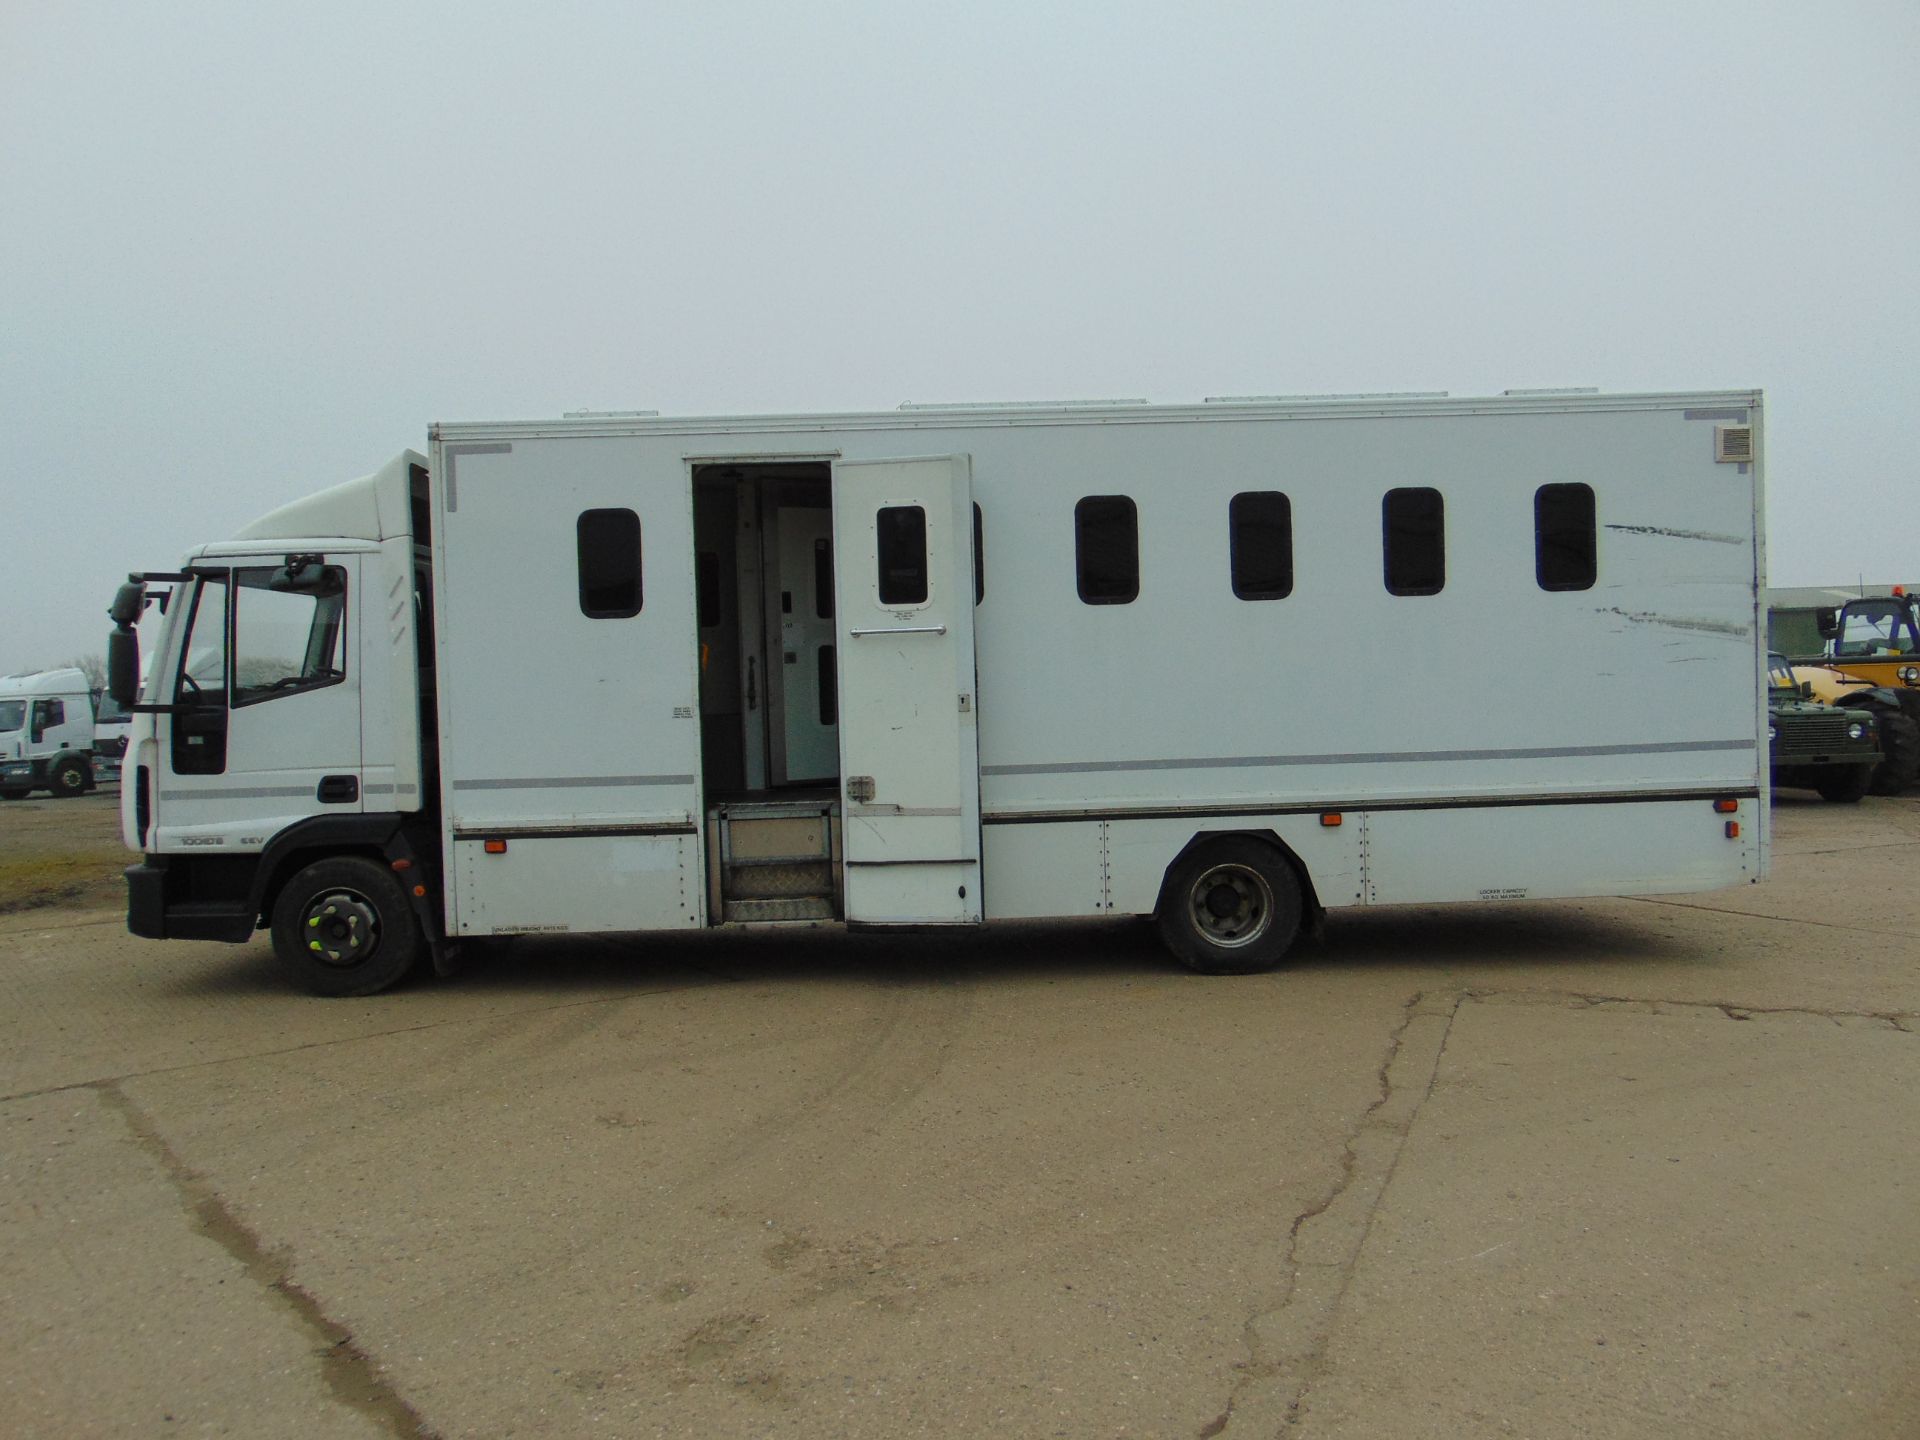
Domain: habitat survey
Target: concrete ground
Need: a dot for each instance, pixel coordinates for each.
(1599, 1168)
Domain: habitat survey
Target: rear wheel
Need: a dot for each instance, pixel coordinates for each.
(1899, 750)
(1230, 907)
(344, 927)
(69, 778)
(1845, 784)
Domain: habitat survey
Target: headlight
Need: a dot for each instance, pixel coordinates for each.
(1772, 733)
(1910, 674)
(1856, 731)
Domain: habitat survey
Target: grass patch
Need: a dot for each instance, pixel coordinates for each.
(61, 877)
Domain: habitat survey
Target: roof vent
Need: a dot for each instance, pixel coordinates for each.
(1733, 444)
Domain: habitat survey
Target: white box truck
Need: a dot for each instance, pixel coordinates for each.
(46, 734)
(1231, 665)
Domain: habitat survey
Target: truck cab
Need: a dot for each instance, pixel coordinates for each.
(46, 734)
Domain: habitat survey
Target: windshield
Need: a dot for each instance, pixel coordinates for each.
(13, 714)
(106, 709)
(1779, 672)
(1876, 627)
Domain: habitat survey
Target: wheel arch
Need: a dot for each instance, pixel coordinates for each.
(1315, 913)
(381, 836)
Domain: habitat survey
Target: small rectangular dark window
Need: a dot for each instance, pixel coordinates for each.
(1564, 554)
(902, 534)
(609, 542)
(1414, 520)
(823, 579)
(707, 588)
(979, 560)
(1260, 525)
(1106, 549)
(829, 687)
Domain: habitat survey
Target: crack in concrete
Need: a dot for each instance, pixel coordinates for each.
(1286, 1343)
(1899, 1020)
(351, 1376)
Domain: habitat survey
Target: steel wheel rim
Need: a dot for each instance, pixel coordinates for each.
(71, 780)
(1231, 905)
(341, 928)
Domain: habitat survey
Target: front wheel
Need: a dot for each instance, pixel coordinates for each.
(344, 927)
(69, 778)
(1230, 906)
(1846, 784)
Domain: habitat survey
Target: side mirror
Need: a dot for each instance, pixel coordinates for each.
(1806, 689)
(1829, 622)
(123, 665)
(128, 601)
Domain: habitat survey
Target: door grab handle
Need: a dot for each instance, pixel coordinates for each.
(753, 702)
(904, 630)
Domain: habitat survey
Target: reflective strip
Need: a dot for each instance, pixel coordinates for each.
(1385, 757)
(573, 782)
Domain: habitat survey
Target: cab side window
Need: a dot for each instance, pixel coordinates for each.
(287, 640)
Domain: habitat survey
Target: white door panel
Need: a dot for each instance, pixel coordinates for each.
(909, 746)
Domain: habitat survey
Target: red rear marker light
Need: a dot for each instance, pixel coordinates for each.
(403, 864)
(1727, 807)
(1733, 829)
(496, 847)
(1330, 819)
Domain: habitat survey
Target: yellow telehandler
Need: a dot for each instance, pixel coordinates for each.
(1872, 662)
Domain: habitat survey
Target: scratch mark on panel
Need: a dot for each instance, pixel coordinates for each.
(1712, 627)
(1679, 534)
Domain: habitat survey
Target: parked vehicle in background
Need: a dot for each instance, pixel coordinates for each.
(956, 664)
(46, 734)
(1872, 662)
(1814, 746)
(110, 722)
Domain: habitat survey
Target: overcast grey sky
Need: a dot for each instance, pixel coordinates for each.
(247, 251)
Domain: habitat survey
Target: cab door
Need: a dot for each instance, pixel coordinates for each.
(909, 745)
(264, 728)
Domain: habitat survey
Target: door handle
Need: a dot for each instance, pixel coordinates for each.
(904, 630)
(338, 789)
(752, 693)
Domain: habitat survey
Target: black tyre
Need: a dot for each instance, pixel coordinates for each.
(1845, 784)
(69, 778)
(1230, 906)
(14, 794)
(345, 927)
(1899, 749)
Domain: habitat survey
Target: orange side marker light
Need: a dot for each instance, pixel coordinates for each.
(1330, 819)
(1727, 807)
(1733, 829)
(496, 847)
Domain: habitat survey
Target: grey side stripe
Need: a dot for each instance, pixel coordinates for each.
(573, 782)
(274, 792)
(1245, 762)
(453, 454)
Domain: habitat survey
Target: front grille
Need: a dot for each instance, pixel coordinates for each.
(1798, 737)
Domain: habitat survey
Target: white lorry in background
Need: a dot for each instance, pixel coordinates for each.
(946, 665)
(46, 734)
(111, 721)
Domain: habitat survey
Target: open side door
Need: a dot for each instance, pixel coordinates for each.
(909, 745)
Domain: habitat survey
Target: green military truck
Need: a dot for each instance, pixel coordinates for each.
(1818, 747)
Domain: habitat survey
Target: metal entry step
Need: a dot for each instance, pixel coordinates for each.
(774, 860)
